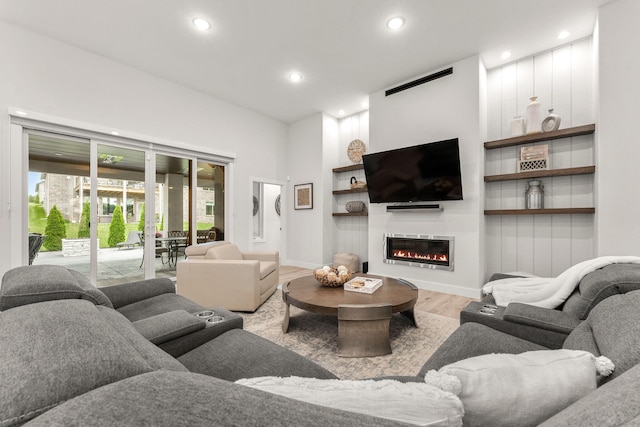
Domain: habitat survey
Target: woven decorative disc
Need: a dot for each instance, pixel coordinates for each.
(355, 150)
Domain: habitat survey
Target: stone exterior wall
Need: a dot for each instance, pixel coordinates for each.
(76, 247)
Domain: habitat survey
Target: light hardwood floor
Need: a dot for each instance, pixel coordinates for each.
(430, 301)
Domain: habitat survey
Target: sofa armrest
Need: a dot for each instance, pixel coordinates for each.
(128, 293)
(542, 318)
(261, 256)
(494, 317)
(168, 326)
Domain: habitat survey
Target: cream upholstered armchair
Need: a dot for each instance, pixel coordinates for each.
(219, 274)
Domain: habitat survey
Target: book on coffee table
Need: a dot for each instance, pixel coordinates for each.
(364, 285)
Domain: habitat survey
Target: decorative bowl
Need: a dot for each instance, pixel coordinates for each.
(332, 277)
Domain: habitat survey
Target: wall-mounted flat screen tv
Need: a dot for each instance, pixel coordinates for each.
(422, 173)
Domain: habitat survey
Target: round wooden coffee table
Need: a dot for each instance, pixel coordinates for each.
(363, 319)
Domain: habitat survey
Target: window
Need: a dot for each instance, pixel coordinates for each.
(209, 208)
(109, 205)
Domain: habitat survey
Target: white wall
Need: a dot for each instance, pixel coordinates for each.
(330, 155)
(305, 232)
(618, 174)
(449, 107)
(545, 245)
(45, 76)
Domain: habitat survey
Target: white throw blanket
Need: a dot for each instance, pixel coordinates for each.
(545, 291)
(412, 402)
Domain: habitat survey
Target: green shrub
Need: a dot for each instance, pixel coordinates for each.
(36, 211)
(56, 230)
(141, 222)
(83, 227)
(116, 228)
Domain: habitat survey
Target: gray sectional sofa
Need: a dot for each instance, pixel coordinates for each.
(73, 355)
(69, 358)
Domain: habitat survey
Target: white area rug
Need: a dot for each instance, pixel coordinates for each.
(316, 337)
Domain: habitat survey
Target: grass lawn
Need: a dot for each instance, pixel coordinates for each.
(38, 223)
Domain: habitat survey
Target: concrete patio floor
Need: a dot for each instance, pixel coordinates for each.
(115, 266)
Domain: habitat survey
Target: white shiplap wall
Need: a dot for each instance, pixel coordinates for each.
(545, 245)
(350, 232)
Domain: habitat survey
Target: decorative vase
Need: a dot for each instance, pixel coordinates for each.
(534, 195)
(517, 126)
(355, 206)
(551, 122)
(533, 116)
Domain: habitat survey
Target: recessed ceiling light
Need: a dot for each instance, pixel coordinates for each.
(58, 154)
(295, 77)
(505, 55)
(341, 113)
(563, 34)
(201, 24)
(21, 113)
(395, 23)
(114, 132)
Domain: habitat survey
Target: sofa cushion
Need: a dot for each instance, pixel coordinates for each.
(224, 252)
(522, 389)
(410, 402)
(612, 329)
(130, 292)
(37, 283)
(614, 404)
(164, 398)
(475, 339)
(600, 284)
(240, 354)
(61, 349)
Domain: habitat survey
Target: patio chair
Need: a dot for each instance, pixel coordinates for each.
(178, 246)
(35, 243)
(160, 250)
(133, 240)
(205, 236)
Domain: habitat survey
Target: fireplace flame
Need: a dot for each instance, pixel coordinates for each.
(415, 255)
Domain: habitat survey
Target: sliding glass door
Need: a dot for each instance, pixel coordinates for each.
(118, 211)
(58, 187)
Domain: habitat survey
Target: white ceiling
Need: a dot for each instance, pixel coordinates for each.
(342, 47)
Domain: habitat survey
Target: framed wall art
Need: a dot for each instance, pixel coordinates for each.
(303, 196)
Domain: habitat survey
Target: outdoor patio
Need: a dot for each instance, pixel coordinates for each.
(115, 266)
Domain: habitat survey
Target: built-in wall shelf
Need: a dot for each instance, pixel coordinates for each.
(351, 191)
(542, 136)
(552, 211)
(539, 137)
(360, 190)
(349, 168)
(582, 170)
(350, 213)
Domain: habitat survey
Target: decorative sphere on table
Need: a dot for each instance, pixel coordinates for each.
(332, 277)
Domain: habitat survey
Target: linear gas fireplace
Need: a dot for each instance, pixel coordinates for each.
(419, 250)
